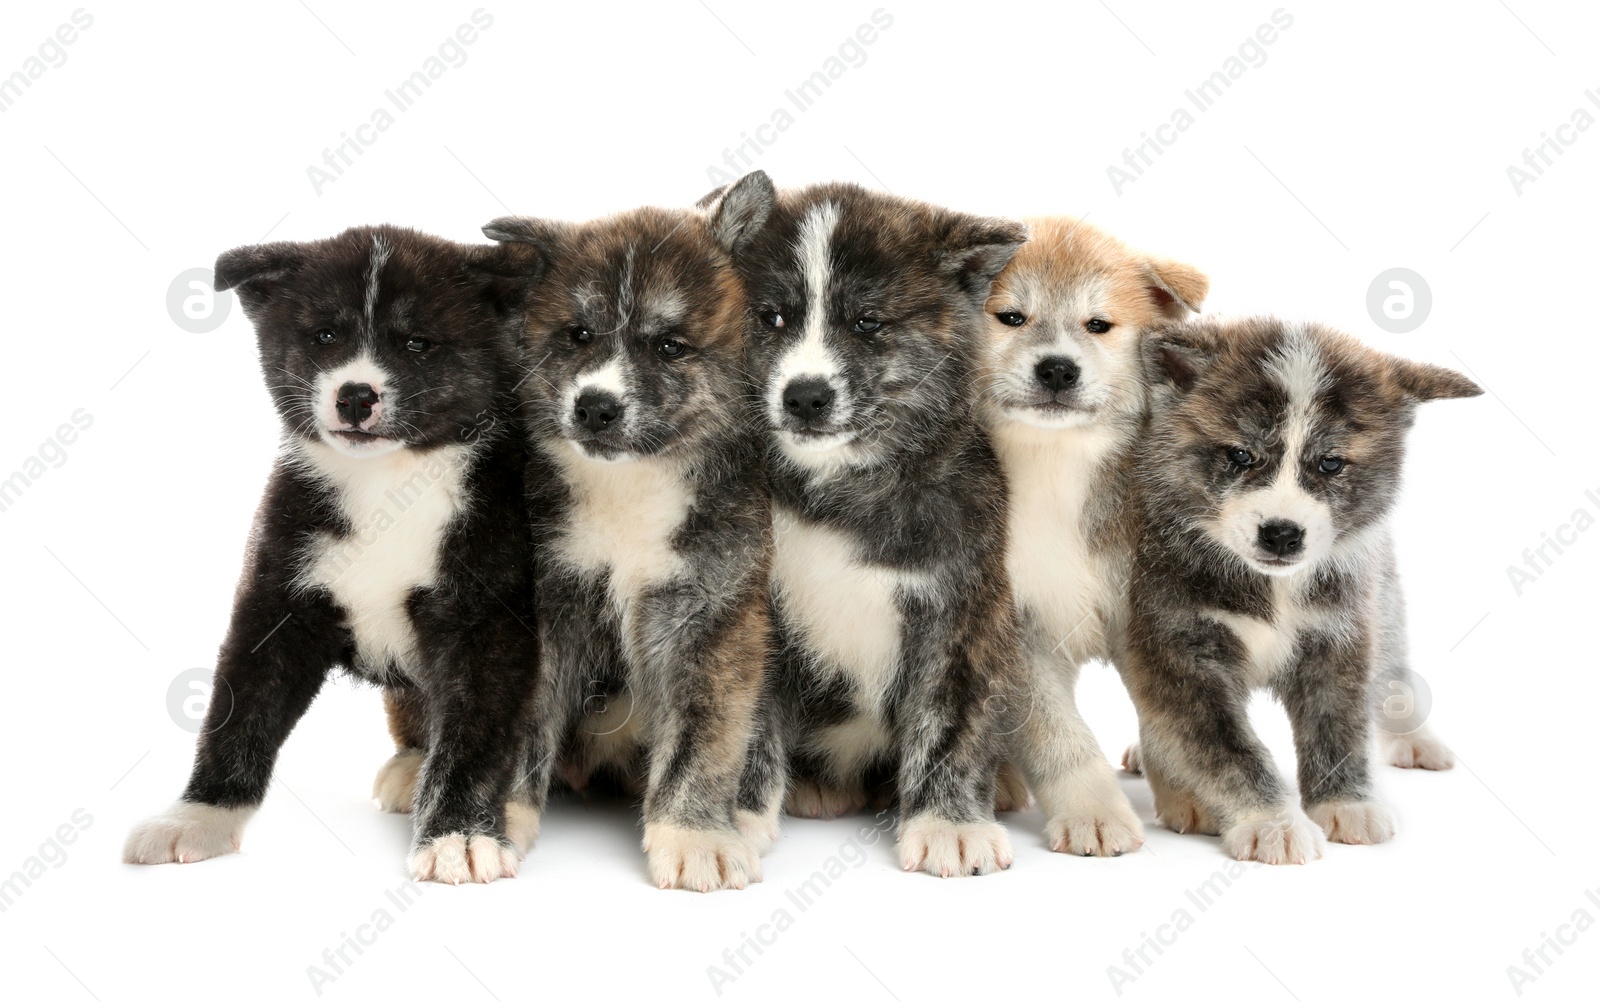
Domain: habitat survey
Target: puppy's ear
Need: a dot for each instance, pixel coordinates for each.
(1421, 381)
(1177, 356)
(505, 273)
(1176, 289)
(544, 235)
(256, 272)
(740, 210)
(975, 249)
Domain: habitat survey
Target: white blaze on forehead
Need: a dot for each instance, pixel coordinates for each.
(809, 355)
(381, 250)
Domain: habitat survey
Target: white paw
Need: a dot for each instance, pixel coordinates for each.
(810, 799)
(947, 849)
(1010, 790)
(1355, 822)
(396, 784)
(1110, 830)
(187, 833)
(522, 825)
(1284, 837)
(459, 859)
(1131, 761)
(759, 830)
(1417, 750)
(699, 859)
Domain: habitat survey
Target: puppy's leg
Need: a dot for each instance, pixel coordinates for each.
(1326, 696)
(949, 741)
(761, 786)
(1398, 705)
(1208, 769)
(271, 666)
(1010, 789)
(479, 686)
(396, 783)
(708, 685)
(1086, 812)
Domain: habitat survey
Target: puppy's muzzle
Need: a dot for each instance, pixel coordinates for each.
(1057, 373)
(809, 402)
(1281, 538)
(597, 410)
(357, 405)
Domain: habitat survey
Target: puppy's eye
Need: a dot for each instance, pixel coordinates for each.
(1241, 457)
(1330, 465)
(326, 336)
(1011, 318)
(772, 318)
(867, 325)
(580, 333)
(1097, 326)
(418, 344)
(670, 347)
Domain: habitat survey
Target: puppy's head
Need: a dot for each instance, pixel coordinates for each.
(633, 334)
(1065, 323)
(1281, 442)
(863, 333)
(383, 338)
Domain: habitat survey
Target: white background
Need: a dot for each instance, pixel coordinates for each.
(1374, 136)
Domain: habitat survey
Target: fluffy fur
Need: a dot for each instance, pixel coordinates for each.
(391, 542)
(651, 518)
(897, 638)
(1065, 402)
(1264, 561)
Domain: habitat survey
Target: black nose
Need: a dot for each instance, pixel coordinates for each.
(808, 399)
(596, 409)
(1280, 537)
(355, 403)
(1057, 373)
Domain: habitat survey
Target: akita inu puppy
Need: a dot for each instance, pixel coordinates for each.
(898, 643)
(392, 541)
(1065, 401)
(653, 532)
(1264, 561)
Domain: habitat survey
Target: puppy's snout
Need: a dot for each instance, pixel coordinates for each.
(1057, 373)
(355, 403)
(597, 410)
(1281, 537)
(809, 399)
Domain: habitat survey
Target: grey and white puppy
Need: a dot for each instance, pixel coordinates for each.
(898, 642)
(1264, 561)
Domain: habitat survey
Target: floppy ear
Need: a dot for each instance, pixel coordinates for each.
(1422, 381)
(740, 210)
(1177, 289)
(257, 271)
(1177, 356)
(506, 273)
(975, 249)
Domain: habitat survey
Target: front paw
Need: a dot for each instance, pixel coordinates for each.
(1354, 822)
(395, 787)
(1283, 837)
(1417, 750)
(949, 849)
(1108, 830)
(810, 799)
(760, 830)
(1131, 760)
(1010, 790)
(458, 858)
(186, 833)
(699, 859)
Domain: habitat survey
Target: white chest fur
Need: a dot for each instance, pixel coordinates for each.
(1072, 594)
(1270, 646)
(399, 506)
(622, 520)
(845, 609)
